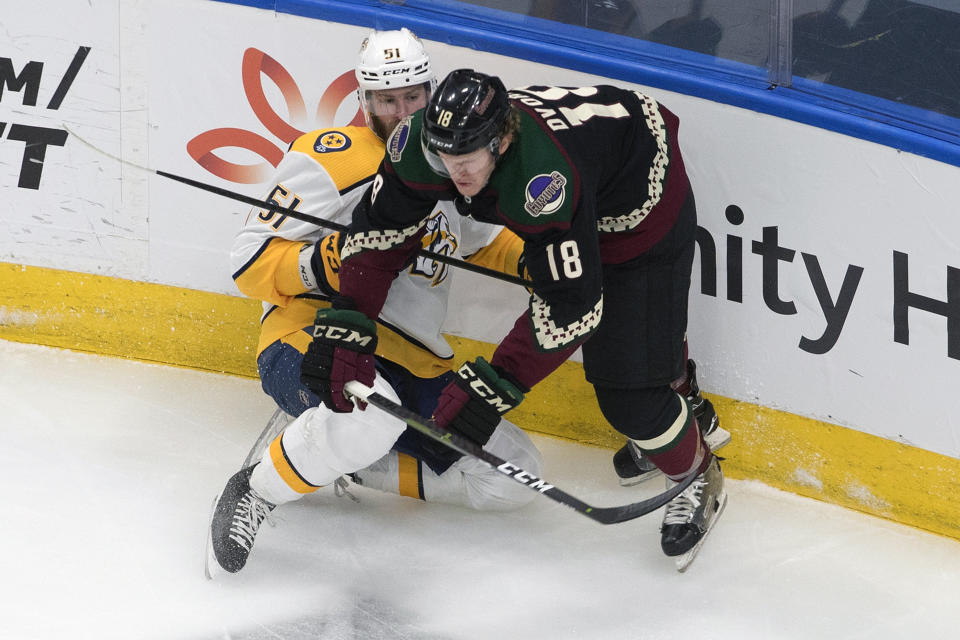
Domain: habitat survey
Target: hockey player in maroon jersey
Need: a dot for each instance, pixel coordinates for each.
(293, 267)
(592, 180)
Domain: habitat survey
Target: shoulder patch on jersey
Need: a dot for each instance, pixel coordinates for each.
(350, 155)
(330, 141)
(398, 139)
(545, 193)
(405, 154)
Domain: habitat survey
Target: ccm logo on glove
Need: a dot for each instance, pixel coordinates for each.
(342, 349)
(482, 390)
(343, 335)
(472, 404)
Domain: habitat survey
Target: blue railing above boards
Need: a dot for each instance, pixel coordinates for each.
(752, 65)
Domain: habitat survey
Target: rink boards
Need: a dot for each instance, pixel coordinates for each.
(826, 292)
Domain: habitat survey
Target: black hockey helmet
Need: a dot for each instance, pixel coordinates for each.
(465, 113)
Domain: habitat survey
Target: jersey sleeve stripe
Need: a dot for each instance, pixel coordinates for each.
(360, 183)
(253, 258)
(378, 240)
(550, 336)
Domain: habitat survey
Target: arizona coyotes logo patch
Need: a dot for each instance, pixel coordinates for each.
(332, 141)
(545, 193)
(398, 140)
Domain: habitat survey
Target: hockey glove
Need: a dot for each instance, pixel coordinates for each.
(324, 265)
(342, 350)
(474, 402)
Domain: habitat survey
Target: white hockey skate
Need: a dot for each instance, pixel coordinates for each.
(691, 516)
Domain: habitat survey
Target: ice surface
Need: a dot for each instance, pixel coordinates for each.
(109, 467)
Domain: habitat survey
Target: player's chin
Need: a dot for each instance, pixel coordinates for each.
(468, 189)
(383, 127)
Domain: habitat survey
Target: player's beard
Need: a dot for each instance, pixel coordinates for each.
(383, 127)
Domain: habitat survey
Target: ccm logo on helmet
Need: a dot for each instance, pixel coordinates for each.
(481, 389)
(396, 72)
(341, 334)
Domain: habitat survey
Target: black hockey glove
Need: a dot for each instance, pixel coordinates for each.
(474, 402)
(342, 350)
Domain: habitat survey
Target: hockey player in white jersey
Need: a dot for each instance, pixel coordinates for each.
(293, 267)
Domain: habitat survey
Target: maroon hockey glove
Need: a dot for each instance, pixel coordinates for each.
(474, 402)
(342, 350)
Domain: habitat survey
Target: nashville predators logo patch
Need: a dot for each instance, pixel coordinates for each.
(545, 193)
(398, 139)
(439, 238)
(331, 141)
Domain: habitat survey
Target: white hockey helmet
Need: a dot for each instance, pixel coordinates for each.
(391, 60)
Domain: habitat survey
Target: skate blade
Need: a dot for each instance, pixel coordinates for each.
(276, 424)
(643, 477)
(685, 560)
(717, 438)
(211, 568)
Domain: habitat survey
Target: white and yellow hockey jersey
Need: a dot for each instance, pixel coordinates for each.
(324, 174)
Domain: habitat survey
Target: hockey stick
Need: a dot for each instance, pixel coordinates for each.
(277, 423)
(603, 515)
(304, 217)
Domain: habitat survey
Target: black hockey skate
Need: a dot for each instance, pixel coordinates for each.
(691, 515)
(632, 467)
(237, 514)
